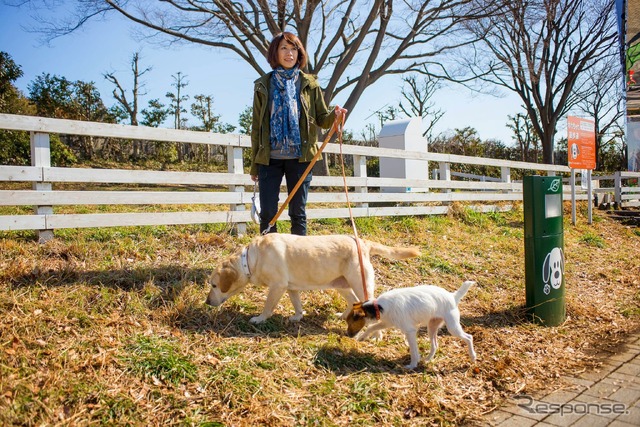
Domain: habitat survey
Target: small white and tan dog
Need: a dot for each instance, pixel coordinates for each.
(409, 308)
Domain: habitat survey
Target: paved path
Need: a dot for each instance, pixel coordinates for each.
(609, 396)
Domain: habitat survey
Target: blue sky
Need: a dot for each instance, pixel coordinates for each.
(107, 46)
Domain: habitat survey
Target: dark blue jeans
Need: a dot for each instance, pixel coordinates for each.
(269, 181)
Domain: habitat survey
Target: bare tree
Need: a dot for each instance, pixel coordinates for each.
(130, 107)
(177, 100)
(176, 107)
(369, 135)
(418, 102)
(525, 136)
(539, 48)
(351, 43)
(120, 94)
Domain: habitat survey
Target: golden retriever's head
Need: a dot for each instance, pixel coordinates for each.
(226, 281)
(356, 319)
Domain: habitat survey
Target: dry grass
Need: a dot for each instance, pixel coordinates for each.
(109, 326)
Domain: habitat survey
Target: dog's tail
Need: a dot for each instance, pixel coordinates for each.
(391, 252)
(457, 295)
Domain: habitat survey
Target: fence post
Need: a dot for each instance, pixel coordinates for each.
(235, 166)
(41, 157)
(505, 175)
(445, 173)
(618, 189)
(360, 171)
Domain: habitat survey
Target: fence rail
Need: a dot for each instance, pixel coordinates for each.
(225, 197)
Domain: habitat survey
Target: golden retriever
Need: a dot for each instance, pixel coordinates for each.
(286, 262)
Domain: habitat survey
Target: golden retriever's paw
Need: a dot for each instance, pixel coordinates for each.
(257, 319)
(296, 317)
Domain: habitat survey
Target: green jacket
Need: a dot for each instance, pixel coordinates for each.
(314, 114)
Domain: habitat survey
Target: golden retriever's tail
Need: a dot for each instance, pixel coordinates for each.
(391, 252)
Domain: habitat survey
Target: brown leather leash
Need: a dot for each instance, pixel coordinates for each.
(339, 127)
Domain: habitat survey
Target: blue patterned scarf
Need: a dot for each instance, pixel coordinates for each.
(284, 123)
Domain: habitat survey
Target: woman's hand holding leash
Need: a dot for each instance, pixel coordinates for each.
(341, 116)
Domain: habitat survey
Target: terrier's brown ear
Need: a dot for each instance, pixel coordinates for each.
(358, 313)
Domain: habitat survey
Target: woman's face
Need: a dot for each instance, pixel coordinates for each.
(287, 54)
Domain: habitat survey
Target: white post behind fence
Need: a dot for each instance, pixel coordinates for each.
(404, 134)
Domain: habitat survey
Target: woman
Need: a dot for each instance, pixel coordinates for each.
(288, 108)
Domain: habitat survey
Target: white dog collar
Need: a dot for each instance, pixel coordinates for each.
(244, 261)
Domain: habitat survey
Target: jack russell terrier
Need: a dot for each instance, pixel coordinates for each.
(409, 308)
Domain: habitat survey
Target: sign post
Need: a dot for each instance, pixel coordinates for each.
(581, 150)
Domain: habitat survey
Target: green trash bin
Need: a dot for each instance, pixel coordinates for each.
(544, 249)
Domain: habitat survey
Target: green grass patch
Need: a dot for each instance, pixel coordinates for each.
(367, 397)
(152, 357)
(469, 216)
(631, 308)
(591, 239)
(440, 265)
(235, 386)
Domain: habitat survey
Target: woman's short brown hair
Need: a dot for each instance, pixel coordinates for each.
(272, 55)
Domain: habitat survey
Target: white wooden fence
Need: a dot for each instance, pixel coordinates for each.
(227, 196)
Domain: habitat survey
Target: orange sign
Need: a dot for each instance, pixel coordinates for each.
(581, 143)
